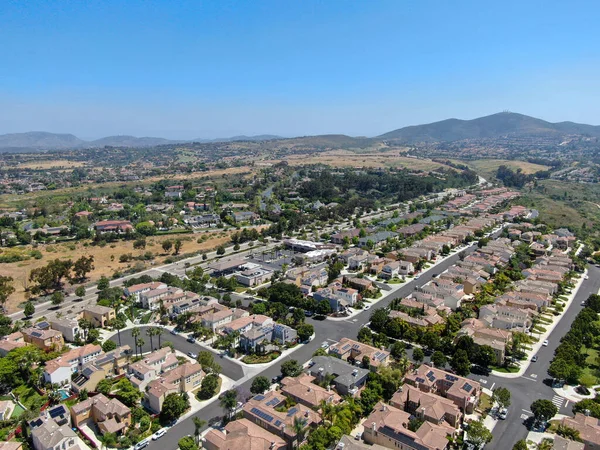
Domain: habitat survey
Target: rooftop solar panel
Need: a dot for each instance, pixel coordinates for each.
(467, 387)
(259, 397)
(292, 411)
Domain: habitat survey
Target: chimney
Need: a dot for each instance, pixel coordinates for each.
(374, 426)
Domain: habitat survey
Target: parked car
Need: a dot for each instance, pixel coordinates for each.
(173, 331)
(502, 414)
(534, 358)
(325, 344)
(367, 306)
(143, 443)
(545, 343)
(191, 339)
(582, 390)
(192, 355)
(358, 436)
(160, 433)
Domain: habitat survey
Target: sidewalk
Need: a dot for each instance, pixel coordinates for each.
(524, 365)
(569, 393)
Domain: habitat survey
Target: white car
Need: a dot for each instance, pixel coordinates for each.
(586, 277)
(160, 433)
(502, 414)
(141, 444)
(325, 344)
(192, 355)
(545, 343)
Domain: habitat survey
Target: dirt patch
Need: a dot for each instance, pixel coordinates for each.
(106, 259)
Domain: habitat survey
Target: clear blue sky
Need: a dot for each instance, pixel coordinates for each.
(186, 69)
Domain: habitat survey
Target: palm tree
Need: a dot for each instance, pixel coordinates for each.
(159, 332)
(135, 333)
(141, 344)
(198, 424)
(150, 332)
(119, 325)
(298, 427)
(229, 401)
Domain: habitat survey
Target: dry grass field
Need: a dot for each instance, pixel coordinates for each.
(106, 259)
(490, 166)
(52, 164)
(345, 158)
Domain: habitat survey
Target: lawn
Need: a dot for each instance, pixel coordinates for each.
(503, 369)
(485, 402)
(589, 376)
(261, 359)
(17, 412)
(29, 397)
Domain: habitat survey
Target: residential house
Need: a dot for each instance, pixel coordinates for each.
(347, 379)
(152, 299)
(302, 390)
(506, 317)
(360, 284)
(138, 289)
(242, 434)
(48, 435)
(462, 391)
(254, 277)
(427, 406)
(388, 426)
(261, 410)
(109, 415)
(10, 342)
(588, 427)
(184, 378)
(376, 239)
(245, 216)
(348, 349)
(44, 339)
(481, 334)
(113, 226)
(98, 315)
(67, 326)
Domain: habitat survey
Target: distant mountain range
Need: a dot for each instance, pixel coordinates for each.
(499, 125)
(41, 140)
(494, 126)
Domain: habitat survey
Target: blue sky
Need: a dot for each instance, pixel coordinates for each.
(187, 69)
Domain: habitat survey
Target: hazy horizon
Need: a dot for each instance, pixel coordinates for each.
(210, 70)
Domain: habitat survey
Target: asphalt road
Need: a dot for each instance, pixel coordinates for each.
(229, 368)
(326, 330)
(535, 383)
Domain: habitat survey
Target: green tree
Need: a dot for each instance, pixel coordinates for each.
(291, 368)
(207, 361)
(568, 433)
(260, 385)
(438, 359)
(229, 401)
(543, 410)
(460, 363)
(57, 298)
(398, 350)
(29, 309)
(139, 244)
(501, 396)
(198, 425)
(418, 355)
(485, 356)
(173, 407)
(6, 288)
(80, 291)
(177, 246)
(187, 443)
(103, 283)
(49, 278)
(108, 346)
(521, 445)
(209, 386)
(379, 319)
(220, 250)
(167, 245)
(82, 266)
(430, 341)
(478, 433)
(305, 331)
(145, 229)
(104, 386)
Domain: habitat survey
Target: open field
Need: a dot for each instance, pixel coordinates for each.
(565, 204)
(13, 200)
(488, 167)
(346, 158)
(51, 164)
(106, 259)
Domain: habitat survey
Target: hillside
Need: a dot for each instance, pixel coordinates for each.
(39, 140)
(488, 127)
